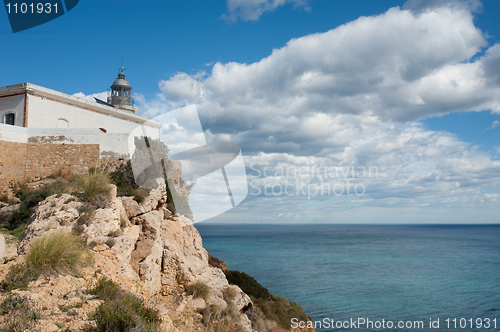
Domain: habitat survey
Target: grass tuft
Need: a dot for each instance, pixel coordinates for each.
(58, 252)
(62, 173)
(199, 290)
(4, 198)
(218, 319)
(94, 187)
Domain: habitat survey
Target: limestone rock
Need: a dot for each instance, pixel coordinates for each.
(155, 198)
(132, 207)
(145, 249)
(54, 213)
(106, 221)
(146, 258)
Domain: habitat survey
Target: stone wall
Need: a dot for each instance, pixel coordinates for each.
(20, 161)
(12, 162)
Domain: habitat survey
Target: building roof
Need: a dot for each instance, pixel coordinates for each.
(36, 90)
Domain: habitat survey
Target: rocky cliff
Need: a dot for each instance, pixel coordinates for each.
(141, 246)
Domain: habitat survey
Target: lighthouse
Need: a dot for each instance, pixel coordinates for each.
(121, 93)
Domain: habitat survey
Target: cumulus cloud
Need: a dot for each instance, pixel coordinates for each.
(422, 6)
(495, 124)
(251, 10)
(353, 97)
(100, 95)
(181, 87)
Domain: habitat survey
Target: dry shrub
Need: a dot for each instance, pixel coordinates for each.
(63, 173)
(57, 252)
(229, 293)
(199, 289)
(218, 319)
(60, 252)
(94, 187)
(21, 316)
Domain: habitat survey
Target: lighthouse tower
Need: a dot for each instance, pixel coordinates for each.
(121, 93)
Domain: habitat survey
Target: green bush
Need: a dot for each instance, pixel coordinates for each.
(105, 289)
(122, 311)
(29, 199)
(123, 179)
(273, 308)
(247, 284)
(18, 277)
(21, 315)
(199, 289)
(18, 232)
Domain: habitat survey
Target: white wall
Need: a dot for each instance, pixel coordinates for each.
(44, 126)
(10, 133)
(45, 113)
(54, 136)
(13, 104)
(112, 145)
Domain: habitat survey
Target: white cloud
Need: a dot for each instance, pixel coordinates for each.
(251, 10)
(181, 87)
(353, 96)
(100, 95)
(495, 124)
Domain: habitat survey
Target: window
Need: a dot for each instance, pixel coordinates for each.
(10, 119)
(62, 123)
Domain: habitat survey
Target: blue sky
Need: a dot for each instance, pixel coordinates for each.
(413, 90)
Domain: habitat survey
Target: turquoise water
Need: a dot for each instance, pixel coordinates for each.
(395, 273)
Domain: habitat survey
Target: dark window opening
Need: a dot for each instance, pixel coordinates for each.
(10, 119)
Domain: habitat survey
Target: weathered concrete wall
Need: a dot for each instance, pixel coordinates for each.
(115, 146)
(112, 145)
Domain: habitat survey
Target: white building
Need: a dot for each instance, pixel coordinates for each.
(37, 108)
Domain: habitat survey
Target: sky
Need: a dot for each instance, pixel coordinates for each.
(345, 111)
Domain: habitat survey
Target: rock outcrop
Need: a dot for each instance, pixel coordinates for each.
(146, 249)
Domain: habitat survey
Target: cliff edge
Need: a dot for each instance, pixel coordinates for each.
(137, 244)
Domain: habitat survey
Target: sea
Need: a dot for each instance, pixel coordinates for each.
(411, 277)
